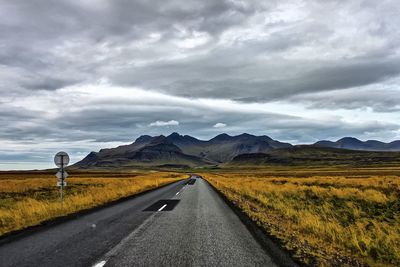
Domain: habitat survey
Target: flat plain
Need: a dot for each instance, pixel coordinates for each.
(30, 198)
(324, 216)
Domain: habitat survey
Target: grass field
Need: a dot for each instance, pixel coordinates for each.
(29, 198)
(325, 217)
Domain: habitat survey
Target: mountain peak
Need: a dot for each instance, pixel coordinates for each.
(180, 139)
(348, 139)
(244, 135)
(174, 135)
(221, 137)
(356, 144)
(143, 139)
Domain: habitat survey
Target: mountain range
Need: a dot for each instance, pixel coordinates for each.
(177, 150)
(309, 155)
(355, 144)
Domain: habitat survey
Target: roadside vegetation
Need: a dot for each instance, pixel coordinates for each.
(340, 218)
(29, 198)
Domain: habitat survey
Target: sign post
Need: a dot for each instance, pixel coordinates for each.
(61, 159)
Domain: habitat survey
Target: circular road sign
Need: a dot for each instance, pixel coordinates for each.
(61, 159)
(59, 175)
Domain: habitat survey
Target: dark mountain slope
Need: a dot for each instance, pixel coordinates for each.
(317, 156)
(179, 149)
(224, 147)
(156, 151)
(355, 144)
(247, 149)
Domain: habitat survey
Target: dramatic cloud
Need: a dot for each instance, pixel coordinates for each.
(84, 75)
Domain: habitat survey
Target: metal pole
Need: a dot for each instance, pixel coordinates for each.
(62, 179)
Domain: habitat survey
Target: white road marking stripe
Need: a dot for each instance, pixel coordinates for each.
(100, 264)
(177, 194)
(160, 209)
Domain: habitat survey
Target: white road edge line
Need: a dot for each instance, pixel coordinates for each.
(160, 209)
(177, 194)
(100, 264)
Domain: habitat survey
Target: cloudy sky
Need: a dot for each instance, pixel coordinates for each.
(88, 74)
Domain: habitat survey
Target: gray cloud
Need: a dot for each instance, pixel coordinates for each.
(238, 82)
(298, 71)
(379, 99)
(66, 43)
(123, 120)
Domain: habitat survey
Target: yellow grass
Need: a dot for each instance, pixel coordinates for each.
(324, 220)
(27, 199)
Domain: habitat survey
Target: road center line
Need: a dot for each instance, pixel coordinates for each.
(160, 209)
(100, 264)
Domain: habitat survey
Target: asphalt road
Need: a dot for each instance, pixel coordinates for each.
(182, 224)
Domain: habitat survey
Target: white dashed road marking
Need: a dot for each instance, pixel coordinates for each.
(160, 209)
(100, 264)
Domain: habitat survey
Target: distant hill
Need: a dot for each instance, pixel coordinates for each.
(355, 144)
(224, 147)
(309, 155)
(154, 151)
(186, 151)
(180, 150)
